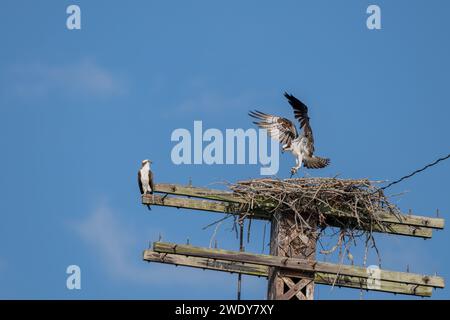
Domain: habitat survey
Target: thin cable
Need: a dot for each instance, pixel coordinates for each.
(415, 172)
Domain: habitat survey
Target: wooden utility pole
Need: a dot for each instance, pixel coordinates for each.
(288, 241)
(291, 267)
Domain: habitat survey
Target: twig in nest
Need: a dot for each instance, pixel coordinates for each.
(337, 245)
(248, 230)
(217, 221)
(214, 234)
(264, 238)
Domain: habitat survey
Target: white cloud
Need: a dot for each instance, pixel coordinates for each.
(118, 250)
(85, 78)
(108, 239)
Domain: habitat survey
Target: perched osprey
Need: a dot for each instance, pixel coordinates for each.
(282, 129)
(145, 178)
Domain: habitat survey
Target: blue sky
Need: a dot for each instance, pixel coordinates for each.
(80, 109)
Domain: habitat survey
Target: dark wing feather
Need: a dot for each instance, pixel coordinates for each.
(301, 114)
(278, 128)
(140, 182)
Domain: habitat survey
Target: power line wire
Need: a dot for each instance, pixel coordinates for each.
(415, 172)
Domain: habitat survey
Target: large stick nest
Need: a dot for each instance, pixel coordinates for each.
(310, 198)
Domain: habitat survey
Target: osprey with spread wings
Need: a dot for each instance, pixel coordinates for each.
(283, 130)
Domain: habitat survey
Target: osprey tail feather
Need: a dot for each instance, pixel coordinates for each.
(315, 162)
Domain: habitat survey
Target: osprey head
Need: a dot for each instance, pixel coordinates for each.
(144, 162)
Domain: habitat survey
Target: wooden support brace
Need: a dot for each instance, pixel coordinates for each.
(263, 271)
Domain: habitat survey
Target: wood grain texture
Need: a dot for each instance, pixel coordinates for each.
(299, 265)
(263, 271)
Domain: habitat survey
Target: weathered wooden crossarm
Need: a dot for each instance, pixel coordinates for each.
(224, 201)
(203, 205)
(297, 264)
(214, 194)
(412, 220)
(234, 208)
(263, 271)
(196, 192)
(207, 263)
(383, 226)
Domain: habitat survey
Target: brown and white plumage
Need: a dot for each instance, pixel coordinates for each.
(145, 178)
(278, 128)
(283, 130)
